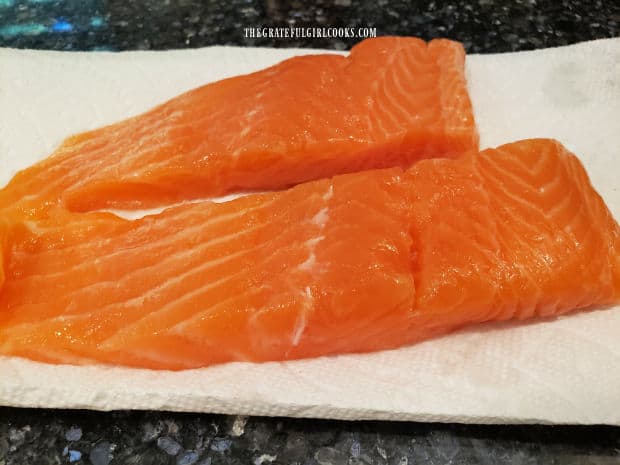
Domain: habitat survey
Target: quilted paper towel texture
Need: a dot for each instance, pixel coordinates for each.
(562, 371)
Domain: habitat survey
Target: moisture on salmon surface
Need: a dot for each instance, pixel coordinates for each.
(354, 263)
(390, 102)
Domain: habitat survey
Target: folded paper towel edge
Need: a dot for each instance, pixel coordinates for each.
(297, 50)
(14, 392)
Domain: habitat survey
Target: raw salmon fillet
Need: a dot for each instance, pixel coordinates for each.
(360, 262)
(265, 277)
(390, 102)
(513, 233)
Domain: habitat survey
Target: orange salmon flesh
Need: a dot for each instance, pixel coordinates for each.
(353, 263)
(390, 102)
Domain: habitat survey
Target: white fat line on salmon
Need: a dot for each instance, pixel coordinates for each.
(302, 319)
(33, 227)
(329, 194)
(311, 260)
(320, 220)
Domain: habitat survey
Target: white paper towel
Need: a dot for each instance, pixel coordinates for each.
(562, 371)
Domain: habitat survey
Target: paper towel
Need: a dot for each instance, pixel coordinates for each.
(562, 371)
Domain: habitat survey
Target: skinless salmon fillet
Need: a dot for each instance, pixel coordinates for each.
(390, 102)
(360, 262)
(516, 232)
(265, 277)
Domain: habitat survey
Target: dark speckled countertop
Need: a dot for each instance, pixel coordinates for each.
(55, 437)
(482, 25)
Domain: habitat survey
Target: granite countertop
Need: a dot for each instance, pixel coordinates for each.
(154, 438)
(49, 436)
(482, 25)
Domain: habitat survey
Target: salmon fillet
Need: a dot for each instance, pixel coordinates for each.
(390, 102)
(513, 233)
(360, 262)
(264, 277)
